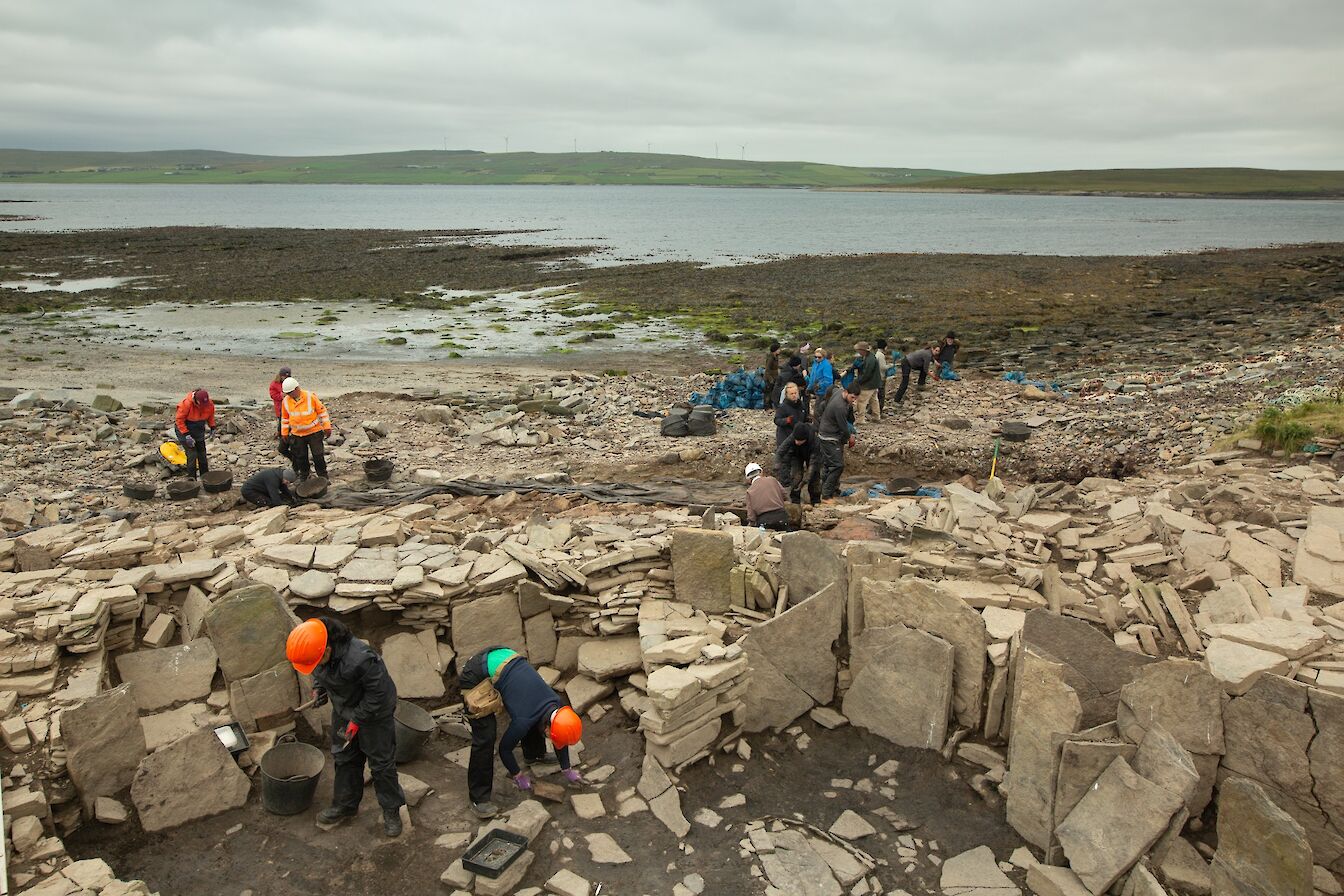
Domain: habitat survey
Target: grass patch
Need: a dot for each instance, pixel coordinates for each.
(294, 334)
(441, 167)
(1294, 428)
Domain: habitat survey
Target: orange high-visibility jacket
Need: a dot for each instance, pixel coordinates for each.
(189, 410)
(304, 415)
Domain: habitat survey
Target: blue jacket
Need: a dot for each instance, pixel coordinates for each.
(820, 377)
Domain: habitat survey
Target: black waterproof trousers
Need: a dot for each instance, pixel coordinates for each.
(301, 446)
(376, 744)
(832, 466)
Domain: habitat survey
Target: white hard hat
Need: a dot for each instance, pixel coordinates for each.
(752, 470)
(289, 385)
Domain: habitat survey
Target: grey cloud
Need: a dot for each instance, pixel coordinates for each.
(971, 84)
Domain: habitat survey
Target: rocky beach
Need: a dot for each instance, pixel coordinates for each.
(1117, 665)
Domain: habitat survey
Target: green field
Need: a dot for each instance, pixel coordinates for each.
(438, 167)
(1225, 182)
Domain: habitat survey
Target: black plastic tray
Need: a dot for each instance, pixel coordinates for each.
(491, 855)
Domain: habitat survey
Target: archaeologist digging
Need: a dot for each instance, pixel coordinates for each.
(499, 678)
(195, 418)
(304, 426)
(798, 460)
(363, 697)
(767, 501)
(920, 360)
(270, 488)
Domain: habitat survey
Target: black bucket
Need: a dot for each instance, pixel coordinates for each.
(379, 470)
(217, 481)
(289, 773)
(312, 487)
(413, 726)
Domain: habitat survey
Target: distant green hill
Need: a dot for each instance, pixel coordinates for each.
(438, 167)
(1225, 182)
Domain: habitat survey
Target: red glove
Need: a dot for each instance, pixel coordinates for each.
(851, 441)
(788, 419)
(350, 731)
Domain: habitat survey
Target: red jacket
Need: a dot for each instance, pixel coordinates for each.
(277, 396)
(189, 410)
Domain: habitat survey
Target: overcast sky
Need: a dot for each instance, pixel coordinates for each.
(974, 85)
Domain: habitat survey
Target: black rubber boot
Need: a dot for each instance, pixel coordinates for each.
(334, 815)
(392, 822)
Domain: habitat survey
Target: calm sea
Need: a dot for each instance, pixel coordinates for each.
(709, 225)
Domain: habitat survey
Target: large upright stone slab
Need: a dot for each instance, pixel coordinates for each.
(1114, 825)
(1319, 563)
(1327, 754)
(414, 663)
(921, 604)
(104, 743)
(1281, 734)
(248, 628)
(487, 622)
(1044, 707)
(265, 700)
(1262, 851)
(771, 701)
(191, 778)
(702, 566)
(1162, 760)
(902, 686)
(1179, 696)
(808, 563)
(1081, 763)
(799, 643)
(169, 675)
(1094, 666)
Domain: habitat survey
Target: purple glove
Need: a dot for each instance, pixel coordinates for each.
(189, 441)
(572, 776)
(523, 781)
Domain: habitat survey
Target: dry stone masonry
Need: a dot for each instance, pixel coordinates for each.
(1132, 667)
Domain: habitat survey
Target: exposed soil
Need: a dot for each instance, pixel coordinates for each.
(1057, 312)
(278, 856)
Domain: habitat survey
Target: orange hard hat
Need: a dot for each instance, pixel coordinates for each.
(306, 644)
(566, 727)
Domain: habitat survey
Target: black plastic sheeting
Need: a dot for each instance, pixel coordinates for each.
(674, 492)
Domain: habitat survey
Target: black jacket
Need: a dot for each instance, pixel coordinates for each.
(270, 483)
(357, 682)
(834, 417)
(788, 415)
(789, 451)
(870, 373)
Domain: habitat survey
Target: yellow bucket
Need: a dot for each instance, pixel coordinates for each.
(173, 453)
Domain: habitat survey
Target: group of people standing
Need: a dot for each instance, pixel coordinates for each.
(816, 418)
(302, 426)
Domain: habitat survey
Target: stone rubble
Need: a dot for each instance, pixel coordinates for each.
(1142, 648)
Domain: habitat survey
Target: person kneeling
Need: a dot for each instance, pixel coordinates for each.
(767, 501)
(269, 488)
